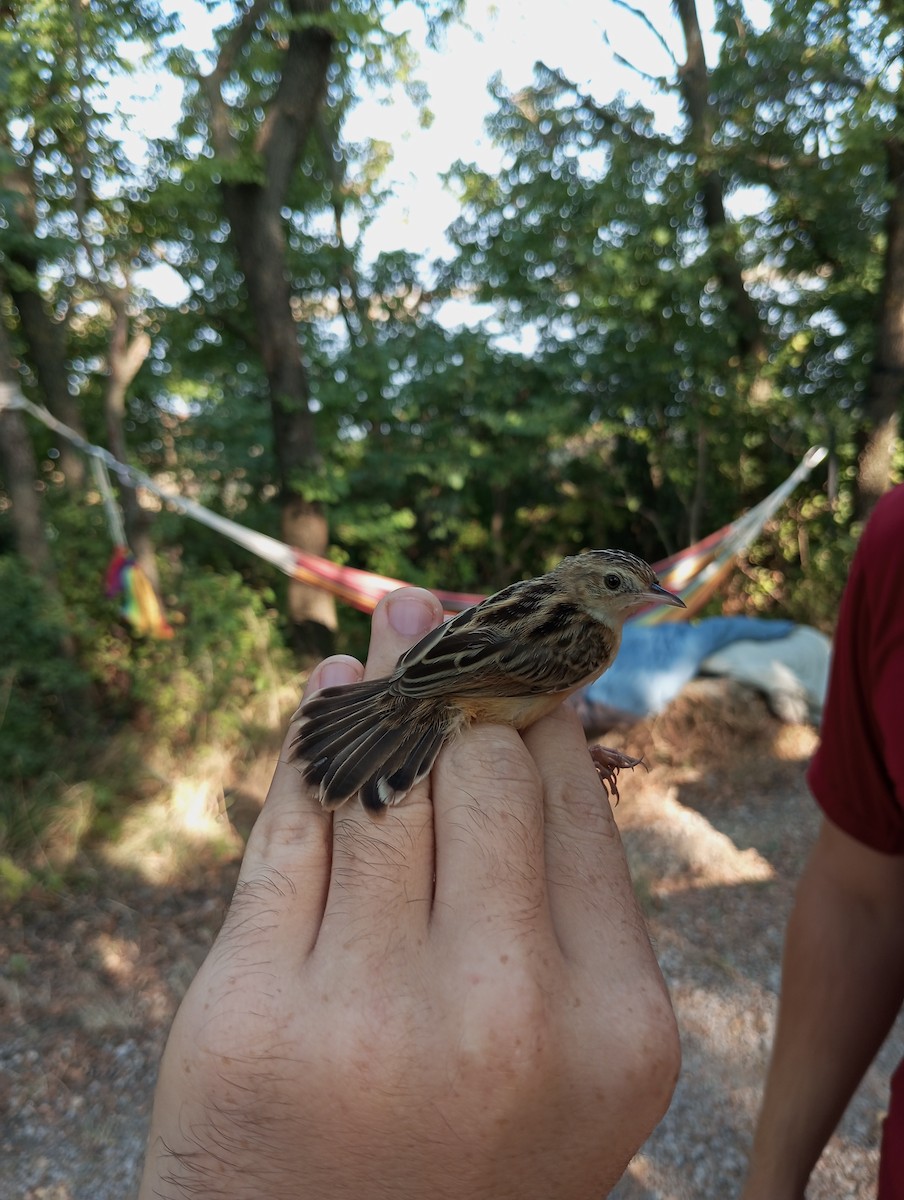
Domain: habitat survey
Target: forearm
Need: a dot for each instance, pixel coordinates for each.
(842, 985)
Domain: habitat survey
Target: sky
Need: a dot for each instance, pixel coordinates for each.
(508, 41)
(582, 39)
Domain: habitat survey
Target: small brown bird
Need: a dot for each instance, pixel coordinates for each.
(508, 660)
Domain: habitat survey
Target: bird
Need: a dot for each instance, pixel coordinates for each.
(509, 659)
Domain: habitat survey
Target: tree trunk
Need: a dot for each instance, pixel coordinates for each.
(694, 82)
(254, 210)
(20, 469)
(17, 459)
(885, 386)
(124, 360)
(44, 336)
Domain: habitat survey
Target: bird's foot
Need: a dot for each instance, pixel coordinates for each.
(608, 763)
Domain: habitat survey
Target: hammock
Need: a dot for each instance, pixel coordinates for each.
(694, 573)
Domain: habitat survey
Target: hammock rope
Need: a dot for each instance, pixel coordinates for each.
(694, 573)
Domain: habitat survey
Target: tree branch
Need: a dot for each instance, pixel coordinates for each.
(659, 80)
(605, 113)
(651, 28)
(238, 39)
(294, 108)
(211, 85)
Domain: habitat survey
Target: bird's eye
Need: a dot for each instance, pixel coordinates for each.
(612, 582)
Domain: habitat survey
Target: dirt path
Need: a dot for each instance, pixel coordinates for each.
(716, 833)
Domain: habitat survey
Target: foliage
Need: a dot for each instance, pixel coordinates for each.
(41, 714)
(226, 652)
(68, 188)
(59, 712)
(44, 720)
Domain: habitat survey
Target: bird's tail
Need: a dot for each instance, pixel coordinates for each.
(358, 738)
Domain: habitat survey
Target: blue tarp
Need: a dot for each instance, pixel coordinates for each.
(656, 661)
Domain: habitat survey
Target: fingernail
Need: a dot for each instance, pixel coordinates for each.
(334, 674)
(409, 616)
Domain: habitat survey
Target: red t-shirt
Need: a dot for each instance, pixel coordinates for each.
(857, 774)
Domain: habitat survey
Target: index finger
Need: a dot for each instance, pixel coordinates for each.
(285, 872)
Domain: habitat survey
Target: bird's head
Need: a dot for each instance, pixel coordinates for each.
(611, 584)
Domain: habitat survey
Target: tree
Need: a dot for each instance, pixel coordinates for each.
(617, 273)
(827, 146)
(885, 386)
(25, 94)
(270, 113)
(20, 471)
(700, 341)
(70, 242)
(257, 166)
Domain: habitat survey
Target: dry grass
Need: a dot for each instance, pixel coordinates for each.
(713, 721)
(708, 744)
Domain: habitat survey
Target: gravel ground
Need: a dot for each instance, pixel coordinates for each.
(716, 834)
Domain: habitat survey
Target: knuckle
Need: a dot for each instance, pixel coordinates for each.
(507, 1033)
(639, 1054)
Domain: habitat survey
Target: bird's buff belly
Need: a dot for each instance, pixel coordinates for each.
(518, 711)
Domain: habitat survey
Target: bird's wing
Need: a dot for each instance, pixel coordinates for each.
(475, 656)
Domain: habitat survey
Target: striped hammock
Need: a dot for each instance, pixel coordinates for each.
(694, 573)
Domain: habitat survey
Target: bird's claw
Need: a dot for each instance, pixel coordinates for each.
(608, 763)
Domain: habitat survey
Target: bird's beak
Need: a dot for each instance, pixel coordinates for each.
(658, 595)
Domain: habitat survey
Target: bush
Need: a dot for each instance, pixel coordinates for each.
(226, 651)
(62, 716)
(42, 686)
(46, 717)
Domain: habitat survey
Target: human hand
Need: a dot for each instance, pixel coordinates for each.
(455, 999)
